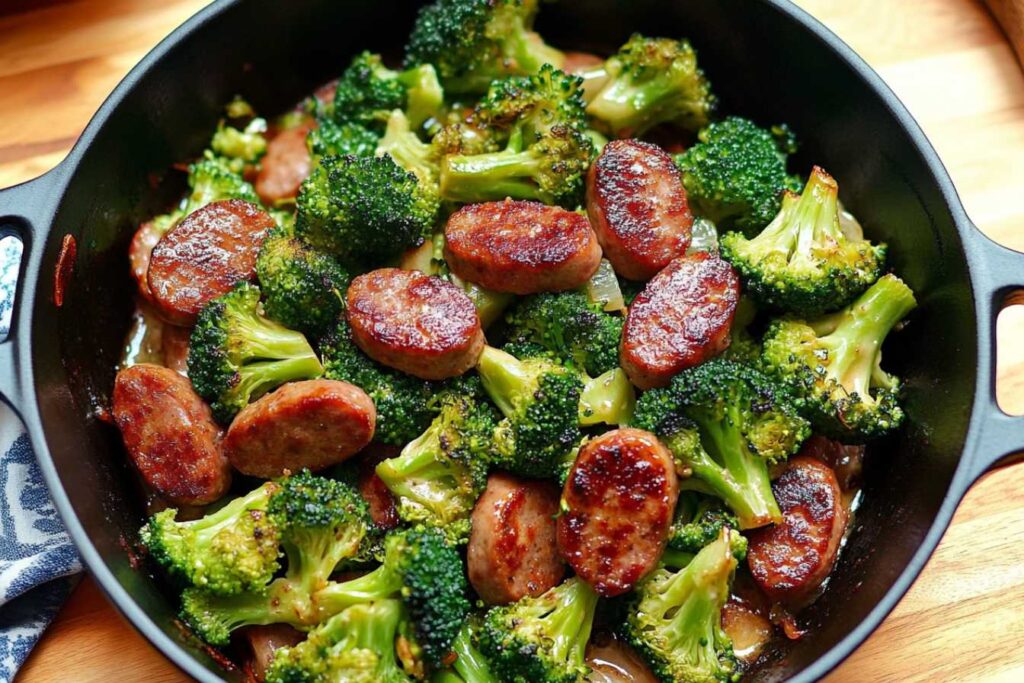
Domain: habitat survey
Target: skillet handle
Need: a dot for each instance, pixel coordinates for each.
(998, 272)
(25, 212)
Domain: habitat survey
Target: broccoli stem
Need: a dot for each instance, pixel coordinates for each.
(382, 582)
(494, 176)
(607, 399)
(256, 378)
(313, 555)
(531, 52)
(570, 623)
(206, 528)
(505, 378)
(415, 473)
(215, 617)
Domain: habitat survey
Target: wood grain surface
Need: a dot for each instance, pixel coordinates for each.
(947, 59)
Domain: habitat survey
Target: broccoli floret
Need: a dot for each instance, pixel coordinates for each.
(540, 401)
(439, 475)
(607, 399)
(577, 331)
(675, 621)
(244, 146)
(211, 180)
(470, 665)
(403, 402)
(652, 81)
(330, 139)
(472, 42)
(355, 646)
(541, 639)
(427, 573)
(726, 423)
(699, 522)
(368, 92)
(744, 347)
(231, 550)
(364, 209)
(735, 174)
(802, 262)
(408, 151)
(833, 363)
(303, 288)
(536, 146)
(236, 354)
(321, 522)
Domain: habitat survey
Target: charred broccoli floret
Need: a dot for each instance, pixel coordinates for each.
(652, 81)
(541, 639)
(675, 621)
(535, 147)
(802, 262)
(364, 209)
(211, 180)
(355, 646)
(236, 354)
(439, 475)
(368, 92)
(427, 574)
(736, 173)
(303, 288)
(725, 423)
(540, 401)
(231, 550)
(404, 403)
(472, 42)
(833, 363)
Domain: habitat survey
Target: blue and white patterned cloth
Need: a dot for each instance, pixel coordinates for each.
(38, 562)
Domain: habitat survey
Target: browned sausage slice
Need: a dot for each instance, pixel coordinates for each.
(312, 424)
(512, 551)
(170, 435)
(285, 165)
(139, 253)
(204, 256)
(521, 247)
(680, 319)
(790, 560)
(420, 324)
(372, 488)
(637, 205)
(617, 506)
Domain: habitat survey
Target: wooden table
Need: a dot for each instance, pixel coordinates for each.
(964, 618)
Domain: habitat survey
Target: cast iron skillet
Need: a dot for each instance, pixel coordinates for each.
(766, 58)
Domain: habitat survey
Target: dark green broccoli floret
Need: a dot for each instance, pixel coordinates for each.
(211, 180)
(541, 639)
(470, 665)
(439, 475)
(355, 646)
(699, 522)
(833, 363)
(427, 573)
(652, 81)
(568, 324)
(735, 174)
(540, 401)
(408, 151)
(302, 288)
(536, 147)
(472, 42)
(236, 354)
(321, 522)
(802, 262)
(231, 550)
(675, 621)
(364, 209)
(607, 399)
(403, 402)
(330, 139)
(726, 423)
(744, 347)
(368, 92)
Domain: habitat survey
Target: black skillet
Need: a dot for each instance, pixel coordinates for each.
(766, 58)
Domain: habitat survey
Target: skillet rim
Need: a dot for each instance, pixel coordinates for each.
(170, 648)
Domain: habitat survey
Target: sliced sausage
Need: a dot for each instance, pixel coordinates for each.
(170, 435)
(204, 256)
(139, 253)
(617, 506)
(637, 205)
(174, 343)
(420, 324)
(521, 247)
(265, 641)
(312, 424)
(680, 319)
(846, 461)
(377, 495)
(790, 560)
(512, 551)
(285, 165)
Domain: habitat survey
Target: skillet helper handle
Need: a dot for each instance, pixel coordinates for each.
(999, 272)
(24, 211)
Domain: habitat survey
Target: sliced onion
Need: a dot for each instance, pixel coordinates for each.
(603, 288)
(704, 236)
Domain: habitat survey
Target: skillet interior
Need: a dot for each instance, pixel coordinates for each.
(761, 63)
